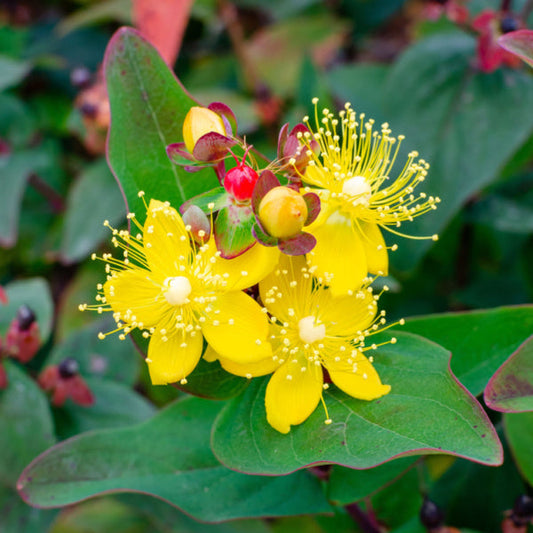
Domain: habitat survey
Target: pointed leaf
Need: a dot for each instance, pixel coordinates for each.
(212, 146)
(480, 341)
(233, 230)
(520, 43)
(511, 387)
(227, 114)
(178, 154)
(168, 457)
(148, 106)
(365, 434)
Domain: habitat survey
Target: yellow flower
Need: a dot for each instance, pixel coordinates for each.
(178, 292)
(359, 195)
(311, 329)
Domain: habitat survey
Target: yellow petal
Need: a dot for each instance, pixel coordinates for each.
(174, 359)
(165, 239)
(237, 329)
(249, 370)
(377, 257)
(277, 293)
(134, 291)
(339, 255)
(363, 384)
(346, 315)
(248, 268)
(292, 395)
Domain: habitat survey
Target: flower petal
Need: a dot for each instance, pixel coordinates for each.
(249, 370)
(279, 292)
(173, 359)
(292, 395)
(248, 268)
(364, 384)
(339, 254)
(237, 329)
(133, 293)
(377, 257)
(348, 315)
(165, 239)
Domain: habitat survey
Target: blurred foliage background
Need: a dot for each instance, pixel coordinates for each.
(418, 65)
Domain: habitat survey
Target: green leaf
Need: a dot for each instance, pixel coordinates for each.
(148, 106)
(108, 358)
(15, 170)
(233, 230)
(95, 197)
(18, 517)
(364, 434)
(480, 341)
(26, 422)
(511, 387)
(34, 293)
(12, 71)
(169, 457)
(210, 380)
(466, 123)
(348, 486)
(115, 406)
(519, 432)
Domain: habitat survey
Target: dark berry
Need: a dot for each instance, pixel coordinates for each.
(81, 77)
(68, 368)
(25, 317)
(508, 23)
(431, 515)
(522, 510)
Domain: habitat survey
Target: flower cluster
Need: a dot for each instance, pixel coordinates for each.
(304, 229)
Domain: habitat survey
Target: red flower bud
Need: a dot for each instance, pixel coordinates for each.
(240, 180)
(23, 339)
(64, 382)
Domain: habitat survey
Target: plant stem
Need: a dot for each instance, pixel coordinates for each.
(54, 199)
(362, 519)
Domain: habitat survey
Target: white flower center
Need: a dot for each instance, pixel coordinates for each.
(309, 331)
(359, 188)
(178, 291)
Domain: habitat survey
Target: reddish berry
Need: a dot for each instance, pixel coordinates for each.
(240, 180)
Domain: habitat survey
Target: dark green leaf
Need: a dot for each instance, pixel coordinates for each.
(169, 457)
(519, 432)
(480, 341)
(148, 106)
(26, 422)
(34, 293)
(347, 485)
(95, 197)
(12, 71)
(365, 434)
(511, 387)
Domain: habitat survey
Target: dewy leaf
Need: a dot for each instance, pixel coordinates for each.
(519, 433)
(480, 341)
(93, 198)
(466, 124)
(168, 457)
(511, 387)
(426, 412)
(148, 106)
(35, 294)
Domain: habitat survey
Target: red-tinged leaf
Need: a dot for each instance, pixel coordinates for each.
(198, 221)
(212, 146)
(233, 230)
(364, 434)
(511, 388)
(262, 237)
(267, 181)
(299, 245)
(313, 207)
(163, 23)
(520, 43)
(282, 139)
(218, 197)
(229, 118)
(178, 154)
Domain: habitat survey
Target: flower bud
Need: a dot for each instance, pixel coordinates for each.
(198, 122)
(240, 182)
(282, 212)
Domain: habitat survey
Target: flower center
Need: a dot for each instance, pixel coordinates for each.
(359, 188)
(178, 290)
(310, 331)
